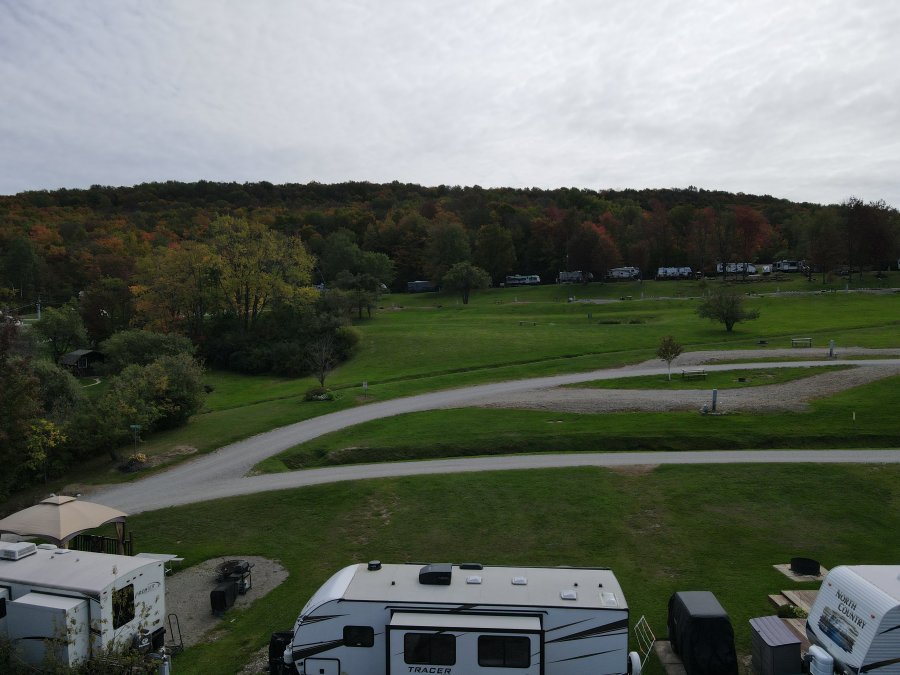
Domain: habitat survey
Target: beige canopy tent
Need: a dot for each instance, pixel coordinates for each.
(59, 519)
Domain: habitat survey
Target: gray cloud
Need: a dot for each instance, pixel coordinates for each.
(792, 100)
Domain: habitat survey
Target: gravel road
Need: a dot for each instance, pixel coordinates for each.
(789, 396)
(223, 473)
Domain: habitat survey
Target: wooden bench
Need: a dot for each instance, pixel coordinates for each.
(693, 374)
(801, 342)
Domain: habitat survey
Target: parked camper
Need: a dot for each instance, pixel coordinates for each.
(856, 619)
(736, 268)
(77, 603)
(420, 286)
(674, 273)
(462, 619)
(623, 273)
(523, 280)
(789, 266)
(575, 277)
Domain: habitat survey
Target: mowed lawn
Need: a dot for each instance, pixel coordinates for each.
(717, 528)
(426, 342)
(860, 417)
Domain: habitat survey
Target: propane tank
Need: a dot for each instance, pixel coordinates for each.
(820, 661)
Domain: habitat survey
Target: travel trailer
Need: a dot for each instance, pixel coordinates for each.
(735, 268)
(575, 277)
(856, 619)
(674, 273)
(624, 273)
(75, 604)
(523, 280)
(464, 619)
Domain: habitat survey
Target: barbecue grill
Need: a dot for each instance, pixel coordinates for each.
(236, 571)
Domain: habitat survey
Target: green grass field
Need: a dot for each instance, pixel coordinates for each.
(719, 528)
(426, 342)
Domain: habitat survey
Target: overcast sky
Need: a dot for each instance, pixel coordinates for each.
(793, 98)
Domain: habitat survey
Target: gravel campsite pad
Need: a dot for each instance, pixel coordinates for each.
(187, 595)
(789, 396)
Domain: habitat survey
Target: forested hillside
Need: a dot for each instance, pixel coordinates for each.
(57, 244)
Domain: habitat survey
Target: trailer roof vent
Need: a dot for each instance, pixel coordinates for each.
(568, 594)
(519, 581)
(474, 579)
(17, 550)
(374, 565)
(437, 574)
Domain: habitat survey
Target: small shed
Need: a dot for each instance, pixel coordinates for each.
(81, 361)
(774, 647)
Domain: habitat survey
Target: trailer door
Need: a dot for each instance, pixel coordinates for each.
(459, 644)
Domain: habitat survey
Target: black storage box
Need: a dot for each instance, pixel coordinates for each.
(701, 634)
(222, 596)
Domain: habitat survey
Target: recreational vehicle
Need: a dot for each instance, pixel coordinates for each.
(624, 273)
(736, 268)
(464, 619)
(575, 277)
(420, 286)
(856, 619)
(75, 604)
(674, 273)
(523, 280)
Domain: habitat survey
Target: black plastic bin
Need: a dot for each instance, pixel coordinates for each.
(222, 597)
(701, 634)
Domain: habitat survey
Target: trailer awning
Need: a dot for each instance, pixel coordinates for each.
(466, 622)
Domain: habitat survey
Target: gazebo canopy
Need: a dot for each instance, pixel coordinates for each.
(58, 519)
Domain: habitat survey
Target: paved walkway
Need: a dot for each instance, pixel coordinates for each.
(223, 473)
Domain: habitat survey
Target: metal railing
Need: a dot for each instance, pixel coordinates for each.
(100, 544)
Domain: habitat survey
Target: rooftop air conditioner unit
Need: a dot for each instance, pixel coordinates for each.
(17, 551)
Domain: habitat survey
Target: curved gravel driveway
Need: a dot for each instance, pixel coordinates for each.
(223, 473)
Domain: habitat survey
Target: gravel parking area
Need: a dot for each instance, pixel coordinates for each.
(790, 396)
(187, 595)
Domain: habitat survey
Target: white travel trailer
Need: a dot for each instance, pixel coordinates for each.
(75, 603)
(735, 268)
(624, 273)
(856, 619)
(462, 620)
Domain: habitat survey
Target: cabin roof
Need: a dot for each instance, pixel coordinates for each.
(544, 586)
(79, 571)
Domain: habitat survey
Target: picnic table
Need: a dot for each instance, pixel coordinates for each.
(693, 374)
(801, 342)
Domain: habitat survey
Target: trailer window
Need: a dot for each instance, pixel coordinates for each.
(359, 636)
(505, 651)
(123, 605)
(433, 649)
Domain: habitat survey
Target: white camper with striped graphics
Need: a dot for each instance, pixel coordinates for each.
(462, 620)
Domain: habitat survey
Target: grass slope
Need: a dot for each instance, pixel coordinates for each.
(719, 528)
